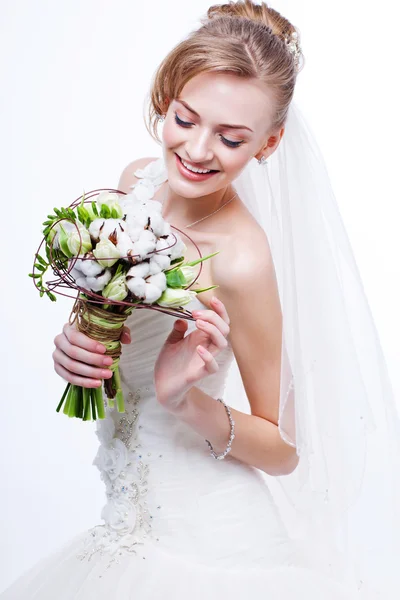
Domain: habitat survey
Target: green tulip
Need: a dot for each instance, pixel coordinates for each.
(173, 298)
(106, 253)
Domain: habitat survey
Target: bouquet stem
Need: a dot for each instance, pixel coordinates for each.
(104, 326)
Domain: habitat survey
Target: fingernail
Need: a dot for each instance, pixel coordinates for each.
(106, 373)
(215, 300)
(108, 360)
(100, 348)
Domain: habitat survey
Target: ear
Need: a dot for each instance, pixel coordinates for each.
(271, 144)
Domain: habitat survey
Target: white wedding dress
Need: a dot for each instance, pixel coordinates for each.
(176, 523)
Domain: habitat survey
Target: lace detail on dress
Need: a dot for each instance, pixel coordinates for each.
(127, 521)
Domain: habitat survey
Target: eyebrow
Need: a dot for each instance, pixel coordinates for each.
(186, 105)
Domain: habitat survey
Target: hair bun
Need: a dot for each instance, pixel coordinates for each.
(260, 13)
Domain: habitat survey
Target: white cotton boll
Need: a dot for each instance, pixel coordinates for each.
(157, 224)
(163, 261)
(76, 274)
(94, 228)
(97, 284)
(111, 225)
(140, 270)
(134, 232)
(162, 247)
(153, 293)
(90, 267)
(146, 243)
(159, 280)
(124, 244)
(178, 250)
(137, 286)
(82, 282)
(137, 218)
(154, 266)
(159, 262)
(166, 228)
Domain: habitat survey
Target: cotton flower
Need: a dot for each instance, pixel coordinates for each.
(125, 245)
(95, 228)
(88, 265)
(146, 244)
(98, 283)
(106, 253)
(159, 280)
(157, 224)
(173, 298)
(152, 293)
(137, 286)
(140, 270)
(158, 263)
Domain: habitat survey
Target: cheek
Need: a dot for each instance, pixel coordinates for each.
(170, 135)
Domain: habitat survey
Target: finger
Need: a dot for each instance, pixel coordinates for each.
(80, 368)
(77, 338)
(210, 363)
(213, 332)
(219, 307)
(125, 337)
(212, 317)
(178, 331)
(76, 379)
(84, 356)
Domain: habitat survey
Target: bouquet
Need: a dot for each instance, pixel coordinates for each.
(119, 254)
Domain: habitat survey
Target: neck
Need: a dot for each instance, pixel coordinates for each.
(178, 209)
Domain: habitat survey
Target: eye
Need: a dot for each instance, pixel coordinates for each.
(227, 142)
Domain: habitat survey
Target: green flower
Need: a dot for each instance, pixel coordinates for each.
(116, 288)
(106, 253)
(173, 298)
(108, 203)
(74, 242)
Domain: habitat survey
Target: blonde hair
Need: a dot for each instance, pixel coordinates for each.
(242, 38)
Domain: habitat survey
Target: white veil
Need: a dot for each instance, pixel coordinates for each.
(336, 401)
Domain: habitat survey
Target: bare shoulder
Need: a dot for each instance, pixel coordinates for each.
(127, 178)
(245, 254)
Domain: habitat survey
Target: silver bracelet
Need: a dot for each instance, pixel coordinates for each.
(231, 437)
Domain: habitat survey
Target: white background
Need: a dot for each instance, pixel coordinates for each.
(74, 78)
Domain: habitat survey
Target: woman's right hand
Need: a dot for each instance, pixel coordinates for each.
(80, 360)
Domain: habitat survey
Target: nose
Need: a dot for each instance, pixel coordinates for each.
(198, 149)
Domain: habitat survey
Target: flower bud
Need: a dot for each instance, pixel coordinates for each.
(106, 253)
(116, 289)
(109, 205)
(173, 298)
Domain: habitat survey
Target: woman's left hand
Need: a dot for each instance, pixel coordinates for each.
(183, 361)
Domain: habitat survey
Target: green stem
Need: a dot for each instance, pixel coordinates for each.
(86, 404)
(79, 402)
(63, 397)
(68, 401)
(93, 403)
(119, 397)
(98, 394)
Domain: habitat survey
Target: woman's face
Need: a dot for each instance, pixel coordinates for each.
(219, 122)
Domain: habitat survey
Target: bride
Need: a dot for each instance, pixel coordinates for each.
(247, 433)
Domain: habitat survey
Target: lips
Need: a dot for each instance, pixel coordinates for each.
(191, 175)
(196, 166)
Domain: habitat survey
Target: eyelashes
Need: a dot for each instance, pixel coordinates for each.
(227, 142)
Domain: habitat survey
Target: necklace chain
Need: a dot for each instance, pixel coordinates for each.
(213, 213)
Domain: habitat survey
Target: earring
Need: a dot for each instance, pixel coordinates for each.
(160, 117)
(262, 160)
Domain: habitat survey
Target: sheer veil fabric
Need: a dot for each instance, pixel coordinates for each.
(336, 402)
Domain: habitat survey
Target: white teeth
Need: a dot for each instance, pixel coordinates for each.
(194, 169)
